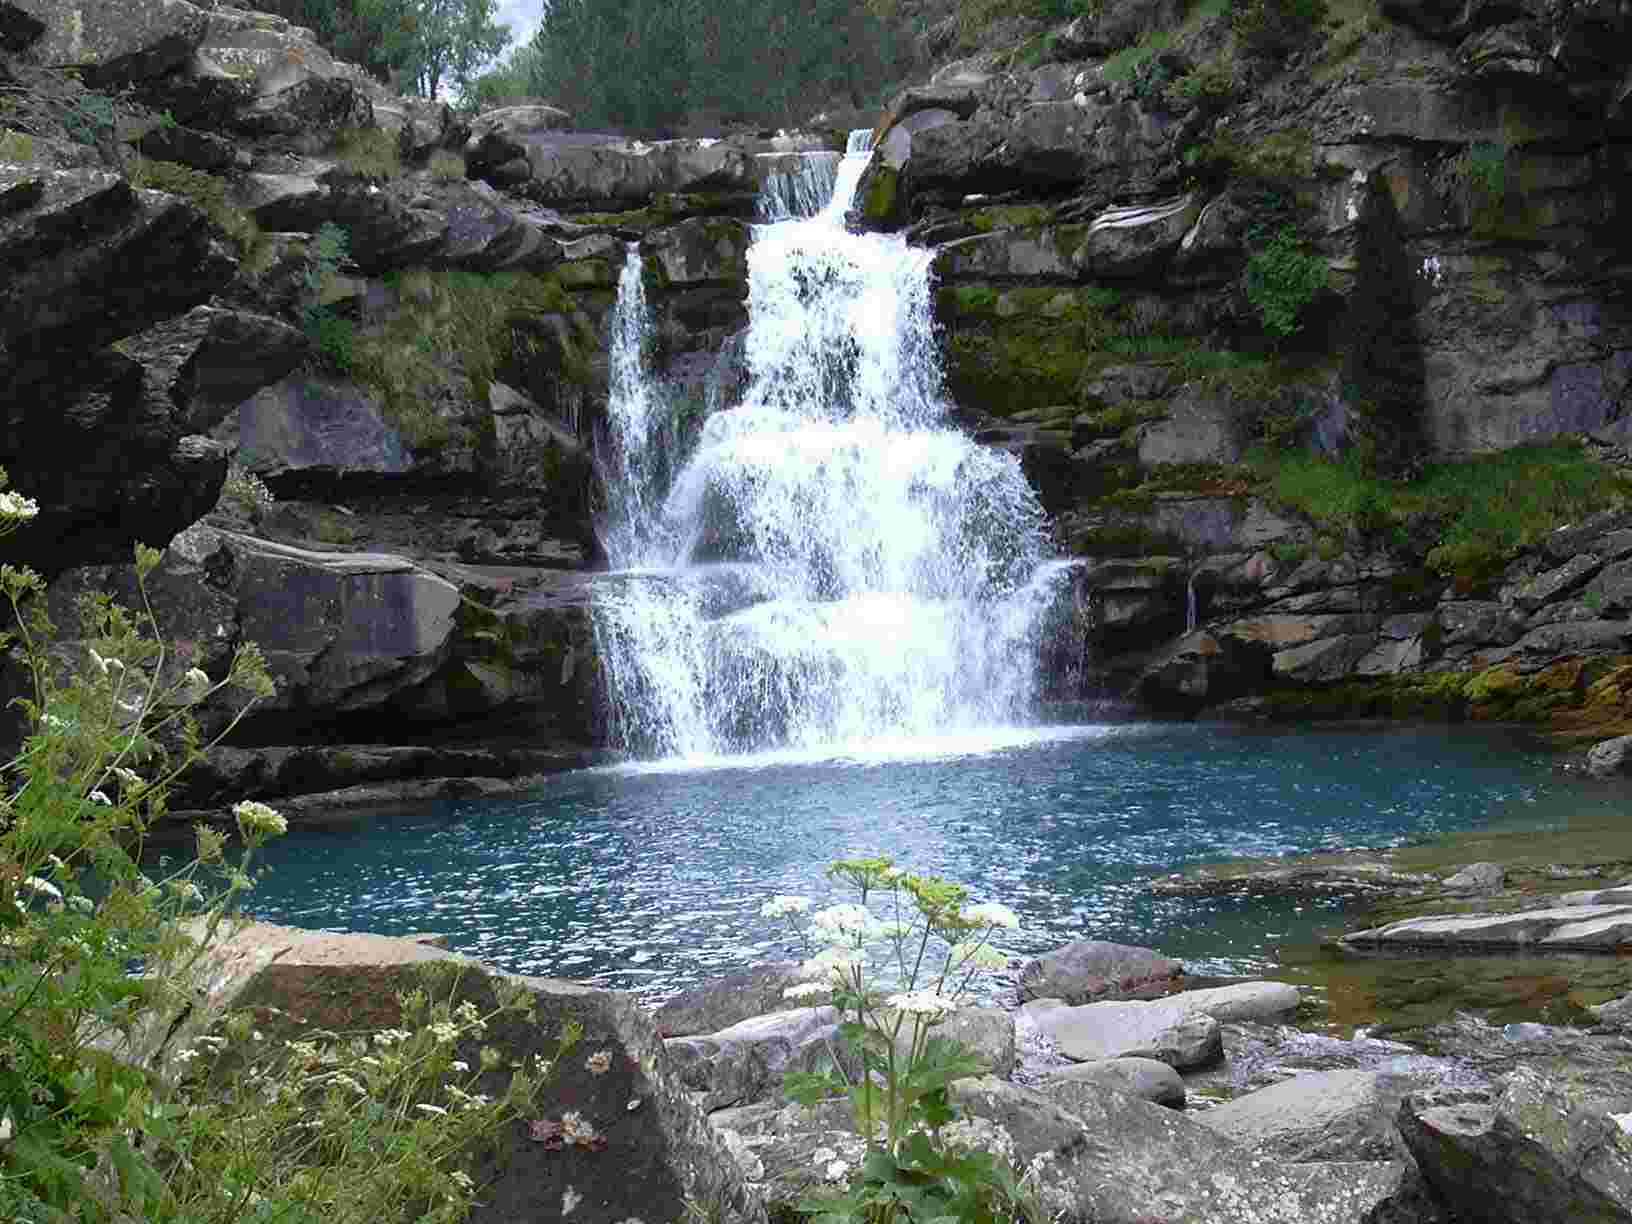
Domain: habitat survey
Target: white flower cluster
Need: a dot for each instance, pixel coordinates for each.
(925, 1003)
(17, 508)
(258, 819)
(846, 925)
(783, 906)
(196, 685)
(991, 914)
(807, 990)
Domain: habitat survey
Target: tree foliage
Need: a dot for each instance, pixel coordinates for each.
(656, 66)
(426, 43)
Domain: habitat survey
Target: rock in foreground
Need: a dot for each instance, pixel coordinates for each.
(660, 1156)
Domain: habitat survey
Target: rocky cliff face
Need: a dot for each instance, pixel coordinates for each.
(359, 341)
(1169, 234)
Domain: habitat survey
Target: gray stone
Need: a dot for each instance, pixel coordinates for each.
(1479, 623)
(1145, 1078)
(1325, 660)
(1609, 757)
(1199, 428)
(721, 1002)
(1093, 969)
(317, 427)
(1127, 241)
(1533, 1153)
(1163, 1029)
(113, 41)
(700, 251)
(1532, 593)
(985, 1032)
(745, 1063)
(1478, 879)
(1574, 638)
(660, 1154)
(1317, 1115)
(1604, 927)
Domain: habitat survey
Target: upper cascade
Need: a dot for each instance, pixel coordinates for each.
(832, 563)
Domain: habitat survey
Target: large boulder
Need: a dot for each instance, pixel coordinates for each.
(1180, 1030)
(114, 42)
(1317, 1115)
(745, 1063)
(660, 1159)
(724, 1001)
(627, 174)
(1093, 969)
(503, 135)
(1532, 1153)
(1145, 1078)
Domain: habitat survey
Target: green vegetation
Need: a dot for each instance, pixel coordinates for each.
(1482, 510)
(88, 117)
(463, 315)
(426, 44)
(209, 193)
(659, 66)
(123, 1097)
(332, 333)
(1270, 29)
(1283, 279)
(16, 146)
(368, 152)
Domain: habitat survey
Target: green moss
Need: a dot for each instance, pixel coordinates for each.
(882, 197)
(465, 320)
(1023, 363)
(1009, 216)
(1123, 540)
(446, 166)
(16, 146)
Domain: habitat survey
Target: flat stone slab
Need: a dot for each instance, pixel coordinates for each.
(1605, 928)
(1164, 1029)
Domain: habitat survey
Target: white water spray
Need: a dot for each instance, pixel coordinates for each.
(832, 565)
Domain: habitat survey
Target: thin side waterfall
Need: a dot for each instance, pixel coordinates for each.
(832, 564)
(1190, 618)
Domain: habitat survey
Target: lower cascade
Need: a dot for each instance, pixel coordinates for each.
(832, 564)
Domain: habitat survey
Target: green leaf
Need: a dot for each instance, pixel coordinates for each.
(810, 1087)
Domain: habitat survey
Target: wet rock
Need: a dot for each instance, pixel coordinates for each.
(627, 175)
(1145, 1078)
(724, 1001)
(1350, 879)
(1204, 668)
(1478, 880)
(659, 1153)
(1093, 969)
(1199, 428)
(745, 1063)
(1318, 1115)
(1180, 1030)
(1599, 927)
(1532, 1153)
(986, 1032)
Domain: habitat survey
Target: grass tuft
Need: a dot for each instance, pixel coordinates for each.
(369, 152)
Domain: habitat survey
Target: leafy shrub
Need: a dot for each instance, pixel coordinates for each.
(919, 1161)
(118, 1102)
(1131, 63)
(88, 117)
(1282, 279)
(1210, 85)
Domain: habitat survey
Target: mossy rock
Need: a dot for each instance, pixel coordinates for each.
(881, 197)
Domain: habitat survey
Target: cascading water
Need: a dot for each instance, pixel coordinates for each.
(833, 564)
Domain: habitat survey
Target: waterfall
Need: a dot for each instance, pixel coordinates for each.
(1190, 603)
(832, 563)
(797, 185)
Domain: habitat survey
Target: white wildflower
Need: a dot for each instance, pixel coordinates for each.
(256, 818)
(82, 903)
(196, 682)
(444, 1030)
(848, 924)
(575, 1128)
(837, 1170)
(128, 776)
(56, 862)
(921, 1003)
(44, 887)
(462, 1179)
(390, 1037)
(433, 1110)
(780, 906)
(97, 796)
(459, 1065)
(807, 990)
(101, 663)
(345, 1081)
(17, 507)
(990, 913)
(891, 874)
(831, 963)
(186, 1056)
